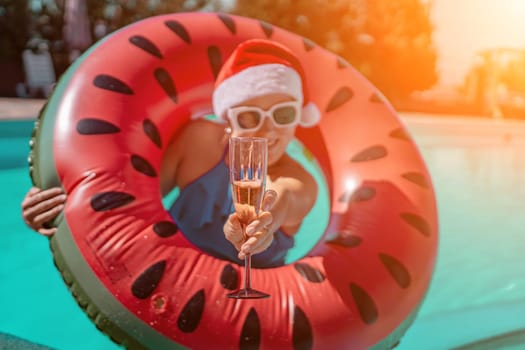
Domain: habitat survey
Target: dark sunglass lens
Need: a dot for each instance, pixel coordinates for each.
(248, 119)
(285, 115)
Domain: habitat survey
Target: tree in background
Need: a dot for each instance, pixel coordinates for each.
(333, 24)
(14, 28)
(401, 56)
(390, 42)
(513, 71)
(495, 83)
(119, 13)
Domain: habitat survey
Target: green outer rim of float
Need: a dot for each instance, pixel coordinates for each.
(109, 315)
(122, 326)
(394, 338)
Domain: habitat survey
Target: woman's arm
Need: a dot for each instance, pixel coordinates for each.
(191, 152)
(296, 194)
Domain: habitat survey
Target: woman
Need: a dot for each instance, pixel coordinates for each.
(260, 91)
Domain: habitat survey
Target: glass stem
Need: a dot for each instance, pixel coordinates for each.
(247, 272)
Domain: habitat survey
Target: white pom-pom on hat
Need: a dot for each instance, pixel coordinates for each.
(310, 116)
(258, 67)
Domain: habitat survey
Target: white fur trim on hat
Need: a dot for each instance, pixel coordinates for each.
(256, 81)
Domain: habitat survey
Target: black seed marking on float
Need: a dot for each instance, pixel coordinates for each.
(267, 28)
(371, 153)
(396, 269)
(309, 45)
(151, 131)
(165, 229)
(376, 98)
(400, 133)
(365, 304)
(143, 166)
(148, 280)
(229, 277)
(108, 82)
(346, 240)
(302, 336)
(146, 45)
(215, 59)
(104, 201)
(165, 81)
(343, 95)
(228, 22)
(179, 29)
(342, 63)
(363, 193)
(417, 222)
(251, 332)
(417, 178)
(191, 314)
(93, 126)
(309, 273)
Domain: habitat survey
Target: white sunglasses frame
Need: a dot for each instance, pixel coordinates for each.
(233, 112)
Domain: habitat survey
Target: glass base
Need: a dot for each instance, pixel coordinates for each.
(247, 294)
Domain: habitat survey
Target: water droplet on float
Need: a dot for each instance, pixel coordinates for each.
(159, 303)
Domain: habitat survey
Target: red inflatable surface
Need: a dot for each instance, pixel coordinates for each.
(102, 138)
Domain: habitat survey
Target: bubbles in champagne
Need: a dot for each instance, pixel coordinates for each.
(247, 197)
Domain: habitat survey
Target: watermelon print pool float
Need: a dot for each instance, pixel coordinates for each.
(102, 137)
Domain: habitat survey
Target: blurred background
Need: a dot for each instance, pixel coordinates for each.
(444, 56)
(453, 69)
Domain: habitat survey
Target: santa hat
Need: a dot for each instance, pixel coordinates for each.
(257, 67)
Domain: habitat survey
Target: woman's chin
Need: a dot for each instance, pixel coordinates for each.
(274, 157)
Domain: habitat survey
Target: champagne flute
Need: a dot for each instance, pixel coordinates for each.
(248, 167)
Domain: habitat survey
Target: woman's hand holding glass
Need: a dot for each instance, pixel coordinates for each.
(258, 233)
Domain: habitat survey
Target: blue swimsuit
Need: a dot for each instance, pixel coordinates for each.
(202, 208)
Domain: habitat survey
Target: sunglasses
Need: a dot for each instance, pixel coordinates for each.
(251, 118)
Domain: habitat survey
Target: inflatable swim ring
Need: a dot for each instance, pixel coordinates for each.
(102, 137)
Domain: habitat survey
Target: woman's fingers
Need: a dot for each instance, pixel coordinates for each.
(42, 217)
(265, 219)
(35, 196)
(35, 209)
(233, 231)
(41, 206)
(259, 234)
(256, 244)
(47, 231)
(269, 199)
(46, 205)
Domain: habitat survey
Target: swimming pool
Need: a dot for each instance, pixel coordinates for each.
(477, 293)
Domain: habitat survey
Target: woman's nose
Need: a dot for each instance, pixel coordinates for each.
(267, 126)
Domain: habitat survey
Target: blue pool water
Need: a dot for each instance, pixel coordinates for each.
(477, 293)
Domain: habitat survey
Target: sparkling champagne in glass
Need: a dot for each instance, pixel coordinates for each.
(248, 166)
